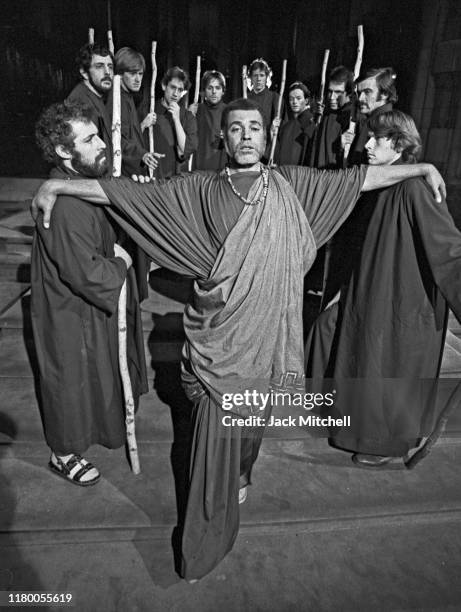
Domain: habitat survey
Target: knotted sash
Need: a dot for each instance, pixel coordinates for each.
(244, 328)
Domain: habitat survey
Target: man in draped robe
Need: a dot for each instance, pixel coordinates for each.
(381, 345)
(77, 272)
(247, 235)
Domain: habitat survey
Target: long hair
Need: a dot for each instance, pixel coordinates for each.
(401, 129)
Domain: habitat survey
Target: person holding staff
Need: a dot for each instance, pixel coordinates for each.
(210, 154)
(96, 67)
(175, 127)
(247, 234)
(136, 158)
(77, 272)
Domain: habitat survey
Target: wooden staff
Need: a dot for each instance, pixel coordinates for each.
(358, 65)
(244, 81)
(279, 111)
(196, 95)
(326, 55)
(91, 36)
(122, 355)
(110, 40)
(152, 99)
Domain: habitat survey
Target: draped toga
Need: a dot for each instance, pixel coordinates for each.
(245, 319)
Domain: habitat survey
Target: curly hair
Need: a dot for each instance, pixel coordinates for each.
(176, 73)
(54, 128)
(85, 55)
(401, 129)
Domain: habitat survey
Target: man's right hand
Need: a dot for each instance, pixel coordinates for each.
(151, 159)
(43, 201)
(120, 252)
(193, 109)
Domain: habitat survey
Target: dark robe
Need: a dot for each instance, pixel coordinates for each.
(133, 149)
(267, 100)
(381, 346)
(187, 224)
(294, 138)
(165, 140)
(101, 118)
(76, 282)
(133, 143)
(210, 154)
(345, 244)
(327, 151)
(357, 152)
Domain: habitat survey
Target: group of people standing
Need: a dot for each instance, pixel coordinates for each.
(247, 233)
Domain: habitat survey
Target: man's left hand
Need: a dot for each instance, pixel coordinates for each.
(436, 182)
(43, 201)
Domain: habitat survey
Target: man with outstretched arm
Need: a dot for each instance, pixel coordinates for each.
(227, 230)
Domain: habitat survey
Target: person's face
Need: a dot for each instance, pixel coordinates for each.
(245, 137)
(214, 92)
(132, 80)
(100, 73)
(369, 96)
(173, 92)
(337, 96)
(297, 101)
(381, 151)
(258, 80)
(88, 156)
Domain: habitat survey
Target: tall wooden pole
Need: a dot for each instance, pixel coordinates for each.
(326, 55)
(122, 343)
(91, 36)
(196, 95)
(279, 111)
(244, 81)
(152, 99)
(358, 65)
(110, 39)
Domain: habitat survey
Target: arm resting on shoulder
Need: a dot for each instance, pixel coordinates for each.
(45, 197)
(378, 177)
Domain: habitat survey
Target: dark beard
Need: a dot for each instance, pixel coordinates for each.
(95, 170)
(102, 92)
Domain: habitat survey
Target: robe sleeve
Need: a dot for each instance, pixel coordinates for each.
(73, 243)
(441, 240)
(327, 196)
(165, 219)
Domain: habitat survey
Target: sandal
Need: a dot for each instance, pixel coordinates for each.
(74, 469)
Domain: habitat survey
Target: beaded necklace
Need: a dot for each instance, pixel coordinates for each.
(260, 200)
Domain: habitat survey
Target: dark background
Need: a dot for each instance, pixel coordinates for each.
(39, 40)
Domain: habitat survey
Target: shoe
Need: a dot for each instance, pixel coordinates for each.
(74, 469)
(370, 461)
(243, 492)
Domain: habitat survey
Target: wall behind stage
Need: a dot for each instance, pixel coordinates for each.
(39, 40)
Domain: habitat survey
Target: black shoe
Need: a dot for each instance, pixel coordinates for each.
(370, 461)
